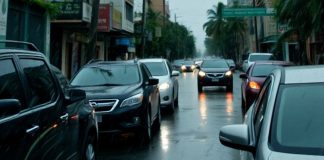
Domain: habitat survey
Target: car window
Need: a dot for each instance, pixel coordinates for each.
(188, 62)
(61, 78)
(10, 84)
(146, 72)
(157, 68)
(298, 119)
(39, 80)
(260, 107)
(107, 75)
(263, 70)
(214, 64)
(253, 58)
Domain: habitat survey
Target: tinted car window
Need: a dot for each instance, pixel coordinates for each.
(214, 64)
(157, 68)
(107, 75)
(188, 62)
(260, 57)
(263, 70)
(40, 81)
(298, 119)
(10, 85)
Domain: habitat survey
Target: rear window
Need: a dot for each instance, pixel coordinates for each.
(298, 123)
(263, 70)
(214, 64)
(188, 62)
(157, 68)
(265, 57)
(107, 75)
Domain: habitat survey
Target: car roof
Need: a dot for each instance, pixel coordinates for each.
(273, 62)
(260, 54)
(303, 74)
(19, 51)
(152, 60)
(96, 63)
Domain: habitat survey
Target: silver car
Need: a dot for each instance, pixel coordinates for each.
(168, 81)
(286, 121)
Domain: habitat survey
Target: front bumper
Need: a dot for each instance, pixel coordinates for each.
(213, 81)
(127, 119)
(166, 97)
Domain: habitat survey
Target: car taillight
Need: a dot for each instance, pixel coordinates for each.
(254, 85)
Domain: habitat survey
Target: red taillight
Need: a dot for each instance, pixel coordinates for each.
(254, 85)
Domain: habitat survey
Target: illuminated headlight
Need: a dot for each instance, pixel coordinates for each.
(134, 100)
(202, 74)
(228, 73)
(193, 67)
(164, 86)
(183, 67)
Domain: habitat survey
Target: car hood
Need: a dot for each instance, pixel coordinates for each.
(214, 69)
(99, 92)
(162, 79)
(288, 156)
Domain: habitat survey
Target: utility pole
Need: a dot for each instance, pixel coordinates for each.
(256, 30)
(163, 12)
(143, 29)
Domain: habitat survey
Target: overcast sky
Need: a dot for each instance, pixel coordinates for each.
(193, 14)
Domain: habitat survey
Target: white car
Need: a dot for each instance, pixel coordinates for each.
(255, 57)
(168, 81)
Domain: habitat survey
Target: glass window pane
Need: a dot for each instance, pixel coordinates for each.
(10, 84)
(214, 64)
(157, 68)
(40, 81)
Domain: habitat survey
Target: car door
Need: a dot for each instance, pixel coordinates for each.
(45, 100)
(153, 92)
(18, 132)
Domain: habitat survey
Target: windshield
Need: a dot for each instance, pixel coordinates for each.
(214, 64)
(263, 70)
(107, 75)
(157, 68)
(298, 123)
(260, 57)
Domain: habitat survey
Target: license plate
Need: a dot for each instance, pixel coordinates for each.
(99, 118)
(215, 80)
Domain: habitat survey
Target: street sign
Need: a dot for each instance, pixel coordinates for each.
(248, 12)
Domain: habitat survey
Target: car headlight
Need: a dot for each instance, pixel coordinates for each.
(134, 100)
(183, 67)
(193, 67)
(164, 86)
(201, 74)
(228, 73)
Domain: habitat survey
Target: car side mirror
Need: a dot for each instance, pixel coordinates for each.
(175, 73)
(236, 136)
(243, 76)
(153, 81)
(76, 95)
(9, 107)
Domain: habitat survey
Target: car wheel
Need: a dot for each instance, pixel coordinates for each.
(176, 101)
(158, 119)
(89, 150)
(229, 88)
(199, 88)
(171, 106)
(147, 128)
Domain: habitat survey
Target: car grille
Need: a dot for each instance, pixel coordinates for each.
(104, 105)
(215, 75)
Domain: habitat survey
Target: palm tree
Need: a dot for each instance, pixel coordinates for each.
(237, 27)
(303, 18)
(216, 25)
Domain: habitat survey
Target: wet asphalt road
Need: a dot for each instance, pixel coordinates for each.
(190, 133)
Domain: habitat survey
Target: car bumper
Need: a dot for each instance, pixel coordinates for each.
(166, 97)
(207, 81)
(121, 120)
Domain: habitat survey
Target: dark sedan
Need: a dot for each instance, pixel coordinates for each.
(215, 73)
(124, 94)
(188, 66)
(253, 79)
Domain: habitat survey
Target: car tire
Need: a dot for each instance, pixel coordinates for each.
(147, 130)
(200, 88)
(158, 120)
(88, 152)
(176, 101)
(229, 88)
(171, 106)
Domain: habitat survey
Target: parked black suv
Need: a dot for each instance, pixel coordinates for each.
(124, 94)
(40, 118)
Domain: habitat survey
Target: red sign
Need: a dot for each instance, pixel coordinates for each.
(104, 18)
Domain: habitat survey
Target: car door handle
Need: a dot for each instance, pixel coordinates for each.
(65, 117)
(32, 130)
